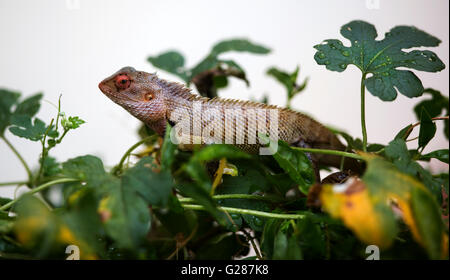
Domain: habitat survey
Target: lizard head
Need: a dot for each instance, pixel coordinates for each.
(140, 93)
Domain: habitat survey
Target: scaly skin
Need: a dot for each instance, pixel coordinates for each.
(156, 102)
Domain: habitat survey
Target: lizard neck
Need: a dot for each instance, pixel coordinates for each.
(179, 100)
(158, 126)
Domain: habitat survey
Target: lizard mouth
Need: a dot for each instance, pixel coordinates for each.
(113, 94)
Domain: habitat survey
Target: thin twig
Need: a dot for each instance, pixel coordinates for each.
(13, 183)
(183, 243)
(246, 211)
(119, 167)
(38, 189)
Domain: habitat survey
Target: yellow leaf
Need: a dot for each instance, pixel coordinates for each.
(65, 235)
(351, 203)
(26, 229)
(104, 210)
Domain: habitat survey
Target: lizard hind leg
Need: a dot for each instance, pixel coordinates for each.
(314, 162)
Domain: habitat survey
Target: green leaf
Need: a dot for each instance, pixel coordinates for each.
(289, 81)
(255, 223)
(24, 128)
(206, 64)
(172, 62)
(125, 215)
(311, 238)
(155, 188)
(398, 153)
(7, 100)
(441, 155)
(168, 150)
(238, 45)
(202, 197)
(296, 164)
(249, 180)
(373, 148)
(434, 106)
(197, 172)
(50, 166)
(429, 222)
(382, 58)
(286, 247)
(220, 81)
(268, 236)
(30, 106)
(427, 129)
(283, 77)
(212, 61)
(43, 230)
(72, 123)
(234, 70)
(402, 133)
(195, 166)
(86, 168)
(222, 247)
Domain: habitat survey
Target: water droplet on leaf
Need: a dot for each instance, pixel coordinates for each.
(345, 53)
(321, 55)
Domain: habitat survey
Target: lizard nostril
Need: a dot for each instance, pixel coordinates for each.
(104, 87)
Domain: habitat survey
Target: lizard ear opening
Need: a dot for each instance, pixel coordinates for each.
(122, 81)
(148, 96)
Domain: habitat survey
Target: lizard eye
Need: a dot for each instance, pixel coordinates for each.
(122, 81)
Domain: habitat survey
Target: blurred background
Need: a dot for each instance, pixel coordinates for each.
(68, 47)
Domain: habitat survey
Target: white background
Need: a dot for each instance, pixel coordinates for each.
(68, 47)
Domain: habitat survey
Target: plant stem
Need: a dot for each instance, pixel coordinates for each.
(119, 167)
(232, 196)
(330, 152)
(44, 154)
(38, 189)
(14, 183)
(59, 111)
(30, 175)
(246, 211)
(363, 112)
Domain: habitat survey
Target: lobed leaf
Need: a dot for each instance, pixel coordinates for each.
(7, 100)
(382, 58)
(30, 106)
(23, 127)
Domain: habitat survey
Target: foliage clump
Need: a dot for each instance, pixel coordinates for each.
(172, 204)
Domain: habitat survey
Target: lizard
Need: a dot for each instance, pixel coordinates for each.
(157, 102)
